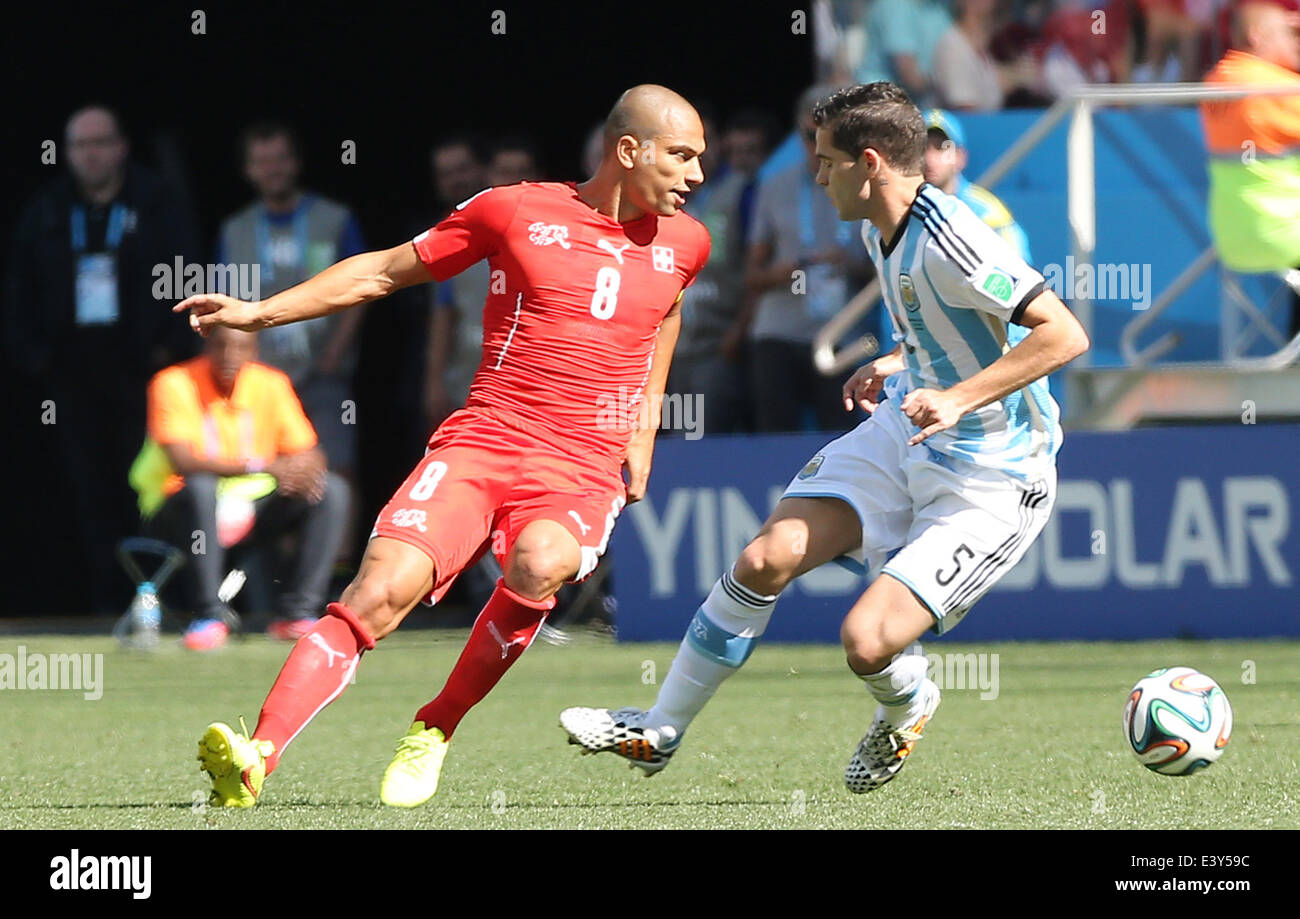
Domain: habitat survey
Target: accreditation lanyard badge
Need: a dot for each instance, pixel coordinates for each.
(96, 288)
(284, 256)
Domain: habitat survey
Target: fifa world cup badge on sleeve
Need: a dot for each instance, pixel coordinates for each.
(810, 468)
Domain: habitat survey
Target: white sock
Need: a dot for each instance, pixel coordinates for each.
(897, 687)
(719, 639)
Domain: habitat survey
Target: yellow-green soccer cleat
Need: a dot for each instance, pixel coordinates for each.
(412, 777)
(236, 765)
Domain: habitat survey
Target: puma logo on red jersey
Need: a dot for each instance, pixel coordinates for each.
(616, 251)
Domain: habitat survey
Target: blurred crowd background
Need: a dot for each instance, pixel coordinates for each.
(982, 55)
(85, 328)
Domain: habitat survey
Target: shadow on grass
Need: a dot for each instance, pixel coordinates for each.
(375, 805)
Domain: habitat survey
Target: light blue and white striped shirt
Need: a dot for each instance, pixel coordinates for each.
(955, 290)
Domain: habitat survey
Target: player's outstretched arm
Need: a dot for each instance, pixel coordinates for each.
(1055, 339)
(351, 282)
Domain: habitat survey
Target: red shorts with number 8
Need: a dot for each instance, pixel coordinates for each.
(482, 481)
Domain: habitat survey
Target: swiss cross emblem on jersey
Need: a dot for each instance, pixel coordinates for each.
(663, 258)
(543, 234)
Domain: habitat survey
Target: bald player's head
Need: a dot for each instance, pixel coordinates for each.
(1269, 31)
(653, 139)
(643, 111)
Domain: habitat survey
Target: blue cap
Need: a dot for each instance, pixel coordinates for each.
(946, 122)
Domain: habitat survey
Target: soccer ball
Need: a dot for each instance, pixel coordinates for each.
(1177, 720)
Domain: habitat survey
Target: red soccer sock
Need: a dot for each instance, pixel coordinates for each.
(319, 668)
(501, 633)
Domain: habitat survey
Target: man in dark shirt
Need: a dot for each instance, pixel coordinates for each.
(84, 330)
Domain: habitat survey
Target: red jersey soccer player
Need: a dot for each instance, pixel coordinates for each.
(581, 316)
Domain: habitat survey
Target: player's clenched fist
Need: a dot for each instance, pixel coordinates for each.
(207, 311)
(863, 388)
(637, 462)
(932, 411)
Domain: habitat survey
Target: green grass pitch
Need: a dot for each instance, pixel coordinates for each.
(768, 752)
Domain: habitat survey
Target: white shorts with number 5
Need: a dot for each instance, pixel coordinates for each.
(945, 527)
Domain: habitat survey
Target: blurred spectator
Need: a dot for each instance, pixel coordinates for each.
(458, 170)
(792, 149)
(965, 75)
(456, 320)
(745, 149)
(945, 161)
(711, 359)
(1081, 49)
(1254, 146)
(798, 269)
(513, 160)
(711, 160)
(901, 40)
(1030, 13)
(1168, 37)
(840, 38)
(1015, 50)
(292, 235)
(87, 321)
(746, 140)
(232, 456)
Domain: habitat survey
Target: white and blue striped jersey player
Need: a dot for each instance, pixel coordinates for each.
(950, 515)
